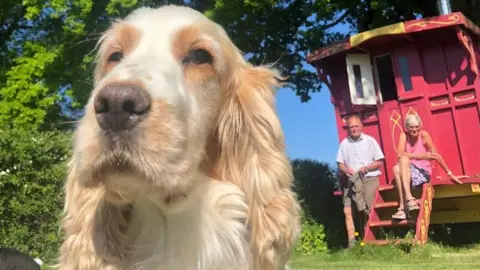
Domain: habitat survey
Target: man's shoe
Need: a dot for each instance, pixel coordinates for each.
(352, 243)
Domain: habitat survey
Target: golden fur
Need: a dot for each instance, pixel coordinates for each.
(207, 184)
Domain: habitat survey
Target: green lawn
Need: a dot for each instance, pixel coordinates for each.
(428, 257)
(421, 258)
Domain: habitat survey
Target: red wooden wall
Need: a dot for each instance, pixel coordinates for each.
(445, 94)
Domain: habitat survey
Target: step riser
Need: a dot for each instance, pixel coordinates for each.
(392, 195)
(386, 204)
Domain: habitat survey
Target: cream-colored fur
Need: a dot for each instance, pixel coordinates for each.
(207, 184)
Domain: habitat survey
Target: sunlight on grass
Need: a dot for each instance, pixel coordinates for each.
(430, 256)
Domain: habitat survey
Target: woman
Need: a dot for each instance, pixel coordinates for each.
(415, 153)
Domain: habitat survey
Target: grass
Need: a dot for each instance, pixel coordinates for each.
(403, 257)
(389, 257)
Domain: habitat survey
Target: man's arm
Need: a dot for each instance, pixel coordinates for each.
(341, 161)
(345, 170)
(374, 165)
(378, 158)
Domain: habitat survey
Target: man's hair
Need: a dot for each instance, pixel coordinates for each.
(351, 116)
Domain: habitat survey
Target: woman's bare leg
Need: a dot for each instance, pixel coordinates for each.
(400, 214)
(398, 184)
(406, 177)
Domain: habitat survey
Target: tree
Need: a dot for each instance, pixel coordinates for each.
(32, 172)
(46, 46)
(315, 183)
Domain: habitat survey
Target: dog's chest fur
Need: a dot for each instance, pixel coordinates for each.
(209, 233)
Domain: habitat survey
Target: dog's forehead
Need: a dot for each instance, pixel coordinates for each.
(165, 21)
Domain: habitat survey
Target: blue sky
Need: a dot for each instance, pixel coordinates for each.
(310, 128)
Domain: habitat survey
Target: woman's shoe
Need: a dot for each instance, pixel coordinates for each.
(400, 214)
(412, 205)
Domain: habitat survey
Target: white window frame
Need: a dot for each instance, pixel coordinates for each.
(363, 60)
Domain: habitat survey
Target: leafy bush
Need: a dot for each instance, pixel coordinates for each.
(32, 172)
(315, 183)
(312, 239)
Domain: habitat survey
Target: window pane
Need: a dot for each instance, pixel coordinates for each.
(358, 81)
(405, 73)
(386, 77)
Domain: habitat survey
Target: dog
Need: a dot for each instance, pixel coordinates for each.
(179, 161)
(12, 259)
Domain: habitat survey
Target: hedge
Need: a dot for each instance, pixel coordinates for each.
(32, 173)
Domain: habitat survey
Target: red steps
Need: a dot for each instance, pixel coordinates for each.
(385, 187)
(384, 242)
(380, 188)
(389, 204)
(380, 216)
(391, 223)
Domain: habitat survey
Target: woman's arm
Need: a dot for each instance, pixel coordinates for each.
(433, 154)
(427, 139)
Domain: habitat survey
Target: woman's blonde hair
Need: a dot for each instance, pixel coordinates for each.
(413, 119)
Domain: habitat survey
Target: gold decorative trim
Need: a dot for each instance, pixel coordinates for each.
(395, 117)
(397, 28)
(452, 19)
(423, 231)
(411, 111)
(475, 188)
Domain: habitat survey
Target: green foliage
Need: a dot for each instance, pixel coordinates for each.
(312, 239)
(32, 172)
(46, 46)
(26, 98)
(315, 183)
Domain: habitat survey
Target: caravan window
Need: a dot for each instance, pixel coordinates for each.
(405, 73)
(386, 77)
(360, 79)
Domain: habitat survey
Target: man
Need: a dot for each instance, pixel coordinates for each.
(359, 159)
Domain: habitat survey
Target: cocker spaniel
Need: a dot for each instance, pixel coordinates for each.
(179, 161)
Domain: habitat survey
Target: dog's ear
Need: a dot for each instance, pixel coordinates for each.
(250, 136)
(251, 153)
(94, 229)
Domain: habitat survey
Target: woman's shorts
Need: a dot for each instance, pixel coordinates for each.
(419, 176)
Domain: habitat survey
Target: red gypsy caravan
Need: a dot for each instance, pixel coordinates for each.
(428, 67)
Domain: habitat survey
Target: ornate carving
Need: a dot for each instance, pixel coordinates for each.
(464, 95)
(395, 117)
(327, 51)
(451, 19)
(467, 42)
(411, 110)
(434, 102)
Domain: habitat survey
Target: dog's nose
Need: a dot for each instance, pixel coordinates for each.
(121, 106)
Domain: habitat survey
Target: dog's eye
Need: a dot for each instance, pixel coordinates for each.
(115, 57)
(198, 57)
